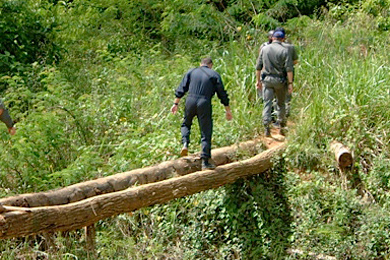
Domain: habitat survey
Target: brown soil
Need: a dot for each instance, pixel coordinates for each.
(274, 140)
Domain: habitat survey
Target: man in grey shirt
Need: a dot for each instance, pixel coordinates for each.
(6, 119)
(275, 67)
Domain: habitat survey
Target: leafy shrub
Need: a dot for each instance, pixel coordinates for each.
(380, 10)
(325, 216)
(27, 34)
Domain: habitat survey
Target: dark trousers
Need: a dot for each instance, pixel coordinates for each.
(201, 108)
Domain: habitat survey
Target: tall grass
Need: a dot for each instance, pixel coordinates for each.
(342, 92)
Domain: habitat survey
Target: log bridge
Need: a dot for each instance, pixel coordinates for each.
(83, 204)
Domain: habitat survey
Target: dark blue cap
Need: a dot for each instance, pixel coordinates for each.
(280, 29)
(278, 34)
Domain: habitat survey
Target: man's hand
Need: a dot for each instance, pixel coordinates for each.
(290, 88)
(259, 85)
(174, 108)
(12, 130)
(229, 115)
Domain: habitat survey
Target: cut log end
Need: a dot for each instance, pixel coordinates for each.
(345, 160)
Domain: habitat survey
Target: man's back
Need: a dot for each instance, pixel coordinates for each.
(205, 82)
(275, 60)
(263, 45)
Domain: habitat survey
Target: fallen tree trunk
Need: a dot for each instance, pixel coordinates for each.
(125, 180)
(87, 212)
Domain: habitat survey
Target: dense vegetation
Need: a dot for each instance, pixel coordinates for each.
(90, 84)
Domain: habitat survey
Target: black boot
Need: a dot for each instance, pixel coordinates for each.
(282, 129)
(206, 165)
(267, 131)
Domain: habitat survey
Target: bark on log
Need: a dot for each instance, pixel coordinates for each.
(125, 180)
(342, 154)
(87, 212)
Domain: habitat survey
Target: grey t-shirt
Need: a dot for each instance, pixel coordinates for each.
(275, 60)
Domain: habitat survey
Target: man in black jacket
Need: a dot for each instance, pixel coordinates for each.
(201, 83)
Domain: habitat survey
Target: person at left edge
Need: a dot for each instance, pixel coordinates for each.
(6, 119)
(201, 83)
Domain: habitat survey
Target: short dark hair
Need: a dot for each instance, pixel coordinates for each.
(207, 61)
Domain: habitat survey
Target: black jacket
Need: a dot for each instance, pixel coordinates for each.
(204, 82)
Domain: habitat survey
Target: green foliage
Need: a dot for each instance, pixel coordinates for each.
(298, 25)
(115, 25)
(195, 19)
(325, 216)
(378, 181)
(26, 30)
(374, 234)
(265, 21)
(380, 10)
(283, 10)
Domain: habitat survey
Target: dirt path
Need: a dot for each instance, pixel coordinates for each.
(274, 140)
